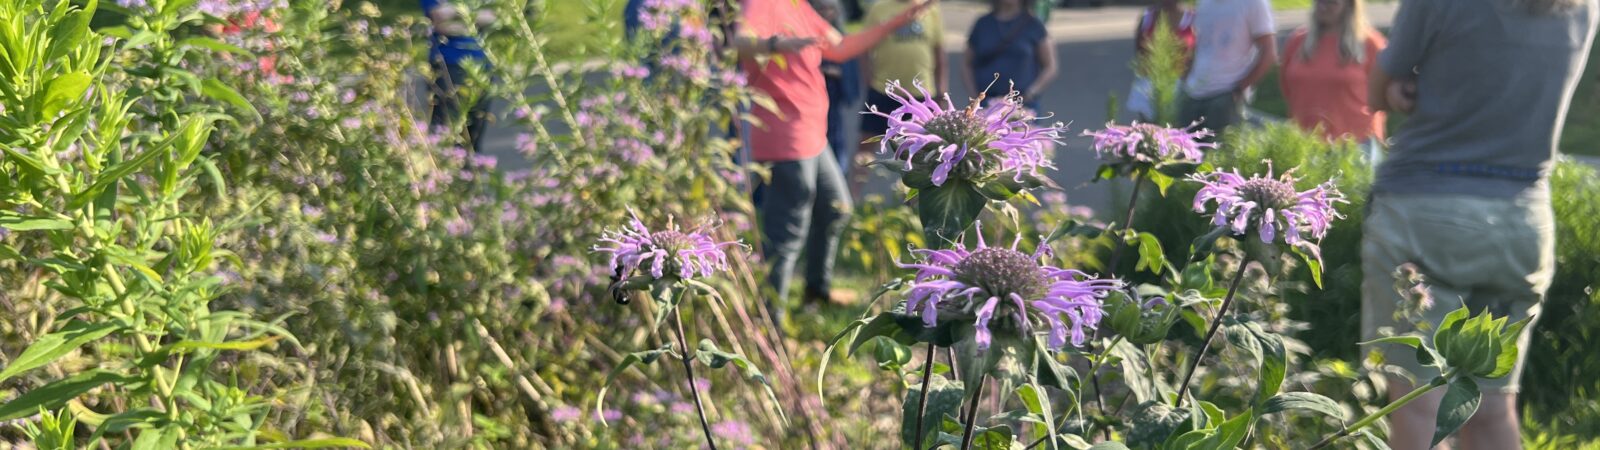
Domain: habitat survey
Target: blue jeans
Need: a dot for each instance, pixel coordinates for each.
(804, 208)
(446, 111)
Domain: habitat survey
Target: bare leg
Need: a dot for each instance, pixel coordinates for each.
(1411, 426)
(1495, 426)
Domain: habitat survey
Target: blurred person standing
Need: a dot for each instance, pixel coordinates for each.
(453, 48)
(1011, 43)
(805, 204)
(1235, 45)
(1464, 194)
(1325, 68)
(1180, 21)
(844, 87)
(914, 52)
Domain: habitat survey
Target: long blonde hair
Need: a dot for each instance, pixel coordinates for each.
(1353, 29)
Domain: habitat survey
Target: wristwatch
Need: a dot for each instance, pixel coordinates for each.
(772, 44)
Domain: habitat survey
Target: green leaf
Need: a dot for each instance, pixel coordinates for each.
(1304, 401)
(1274, 363)
(61, 91)
(890, 354)
(1233, 432)
(1449, 328)
(644, 357)
(159, 439)
(213, 44)
(1037, 402)
(1507, 359)
(944, 397)
(1313, 264)
(1406, 340)
(996, 438)
(54, 395)
(1373, 440)
(215, 89)
(715, 358)
(1458, 405)
(949, 211)
(1161, 180)
(1109, 446)
(1135, 372)
(1205, 244)
(306, 443)
(27, 223)
(1150, 255)
(49, 347)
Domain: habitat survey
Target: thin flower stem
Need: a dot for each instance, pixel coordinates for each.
(972, 412)
(688, 368)
(922, 403)
(1116, 259)
(1216, 323)
(1094, 374)
(1127, 223)
(1374, 417)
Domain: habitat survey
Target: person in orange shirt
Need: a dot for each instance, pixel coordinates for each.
(804, 202)
(1325, 67)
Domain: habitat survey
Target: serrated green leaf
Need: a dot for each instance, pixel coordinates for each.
(1460, 402)
(944, 398)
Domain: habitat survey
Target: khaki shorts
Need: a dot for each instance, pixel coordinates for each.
(1487, 253)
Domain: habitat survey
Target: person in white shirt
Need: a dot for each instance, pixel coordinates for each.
(1235, 46)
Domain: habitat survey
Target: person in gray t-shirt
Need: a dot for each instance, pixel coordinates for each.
(1463, 197)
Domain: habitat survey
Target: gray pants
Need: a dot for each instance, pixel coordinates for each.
(804, 207)
(1216, 112)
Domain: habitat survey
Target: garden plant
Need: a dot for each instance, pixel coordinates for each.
(228, 224)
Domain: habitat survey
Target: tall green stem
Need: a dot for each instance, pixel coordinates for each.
(1216, 323)
(1380, 414)
(972, 411)
(688, 368)
(922, 402)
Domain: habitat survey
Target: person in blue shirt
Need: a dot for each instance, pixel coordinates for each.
(1012, 43)
(453, 48)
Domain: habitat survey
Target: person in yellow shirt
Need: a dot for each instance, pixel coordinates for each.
(913, 52)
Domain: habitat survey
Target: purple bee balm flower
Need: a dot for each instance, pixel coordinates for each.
(667, 252)
(1270, 205)
(965, 143)
(734, 431)
(565, 414)
(996, 281)
(1150, 143)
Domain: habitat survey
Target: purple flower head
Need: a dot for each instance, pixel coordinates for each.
(734, 431)
(989, 282)
(669, 252)
(1271, 205)
(1150, 143)
(565, 414)
(968, 143)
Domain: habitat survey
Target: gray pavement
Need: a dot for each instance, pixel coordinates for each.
(1093, 49)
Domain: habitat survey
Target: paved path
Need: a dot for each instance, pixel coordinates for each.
(1093, 48)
